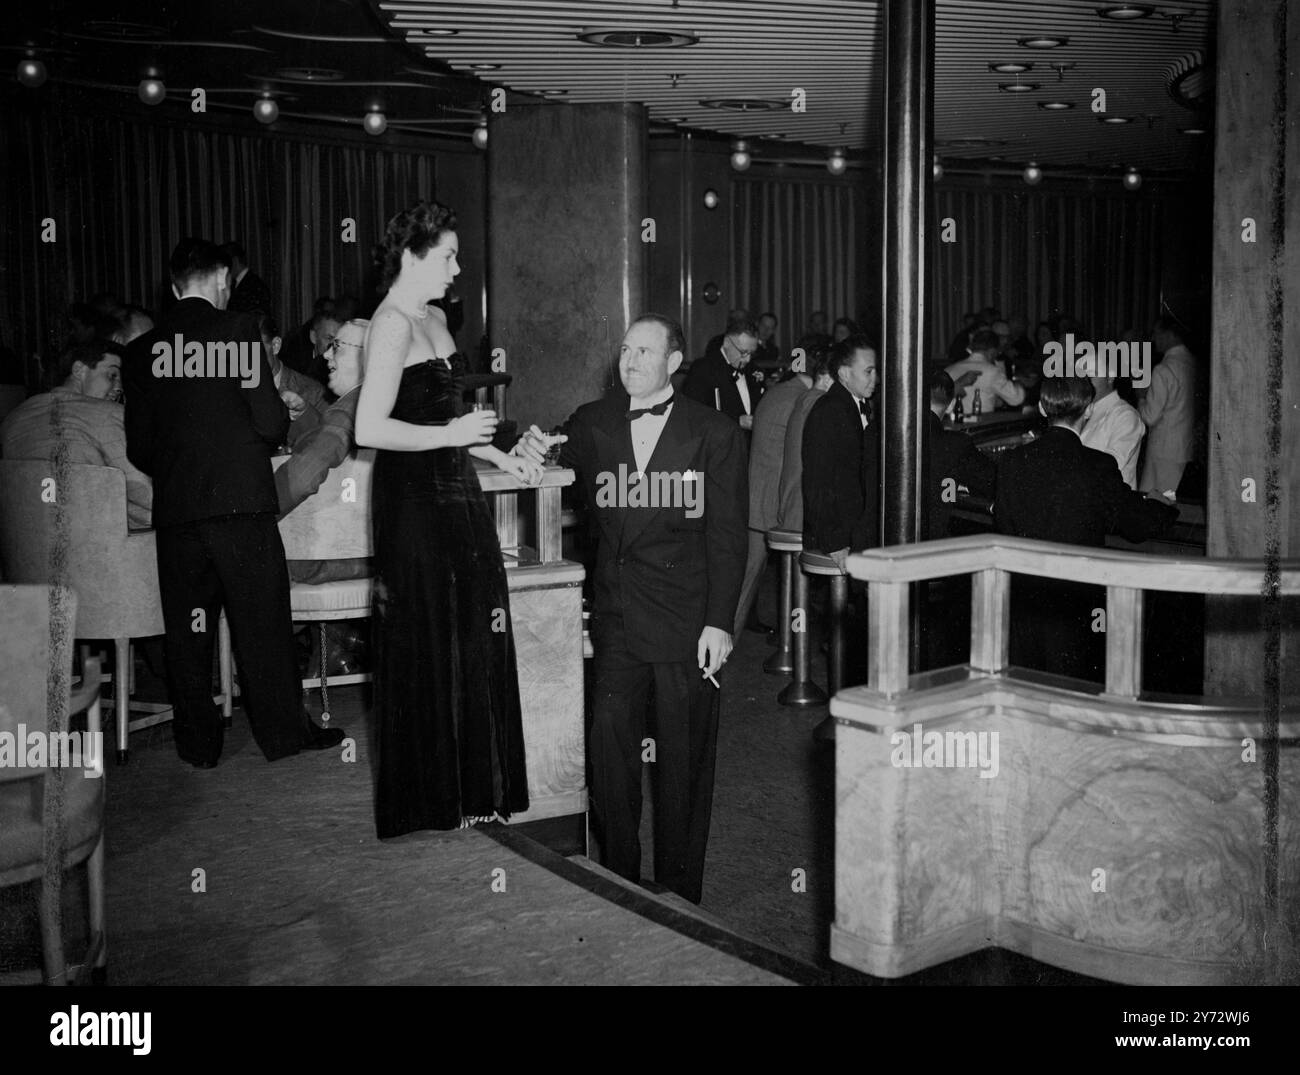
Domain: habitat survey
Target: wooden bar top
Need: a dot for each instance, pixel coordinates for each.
(498, 481)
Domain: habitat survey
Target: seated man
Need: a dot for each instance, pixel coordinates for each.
(995, 389)
(952, 461)
(324, 447)
(303, 395)
(1116, 428)
(1057, 489)
(82, 413)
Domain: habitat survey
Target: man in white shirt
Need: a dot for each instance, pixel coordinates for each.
(993, 385)
(1168, 407)
(1115, 427)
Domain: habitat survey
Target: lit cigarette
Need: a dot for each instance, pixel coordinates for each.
(714, 682)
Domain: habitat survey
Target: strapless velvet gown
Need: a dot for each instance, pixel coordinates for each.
(450, 735)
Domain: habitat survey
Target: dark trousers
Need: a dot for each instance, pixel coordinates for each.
(235, 561)
(685, 733)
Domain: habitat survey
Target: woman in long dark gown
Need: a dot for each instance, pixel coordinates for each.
(450, 737)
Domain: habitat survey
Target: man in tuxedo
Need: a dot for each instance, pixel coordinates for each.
(249, 293)
(841, 457)
(721, 379)
(665, 477)
(206, 435)
(1057, 489)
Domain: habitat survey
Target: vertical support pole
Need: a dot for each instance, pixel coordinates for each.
(549, 533)
(1123, 641)
(909, 63)
(889, 619)
(990, 619)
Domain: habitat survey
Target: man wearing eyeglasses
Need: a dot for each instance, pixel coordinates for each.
(721, 379)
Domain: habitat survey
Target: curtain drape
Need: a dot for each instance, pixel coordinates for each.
(796, 248)
(1094, 257)
(120, 194)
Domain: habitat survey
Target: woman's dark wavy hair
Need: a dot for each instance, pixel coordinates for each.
(418, 230)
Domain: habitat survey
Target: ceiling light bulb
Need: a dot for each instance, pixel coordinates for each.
(1132, 179)
(1126, 12)
(31, 73)
(480, 136)
(1033, 174)
(152, 91)
(266, 110)
(835, 163)
(711, 199)
(375, 122)
(740, 159)
(937, 168)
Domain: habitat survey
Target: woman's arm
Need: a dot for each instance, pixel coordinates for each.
(387, 344)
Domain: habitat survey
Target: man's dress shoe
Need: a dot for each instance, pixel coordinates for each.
(314, 737)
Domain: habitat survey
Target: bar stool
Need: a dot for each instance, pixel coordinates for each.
(801, 692)
(818, 563)
(789, 543)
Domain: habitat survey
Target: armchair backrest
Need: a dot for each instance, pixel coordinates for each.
(67, 523)
(36, 640)
(334, 522)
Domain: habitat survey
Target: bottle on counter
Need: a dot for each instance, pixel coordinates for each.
(977, 407)
(958, 414)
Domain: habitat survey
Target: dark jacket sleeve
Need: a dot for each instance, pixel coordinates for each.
(1131, 515)
(830, 469)
(726, 499)
(139, 418)
(699, 385)
(270, 415)
(323, 449)
(975, 470)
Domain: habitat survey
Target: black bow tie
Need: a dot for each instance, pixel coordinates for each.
(735, 373)
(864, 408)
(657, 409)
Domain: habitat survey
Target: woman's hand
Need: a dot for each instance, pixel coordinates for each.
(476, 427)
(525, 470)
(296, 404)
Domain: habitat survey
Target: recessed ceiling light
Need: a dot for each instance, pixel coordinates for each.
(1014, 67)
(434, 33)
(1042, 41)
(638, 39)
(309, 74)
(1019, 87)
(1055, 106)
(1125, 12)
(1115, 120)
(552, 93)
(746, 104)
(1192, 130)
(485, 67)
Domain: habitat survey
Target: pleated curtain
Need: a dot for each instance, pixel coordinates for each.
(122, 193)
(796, 248)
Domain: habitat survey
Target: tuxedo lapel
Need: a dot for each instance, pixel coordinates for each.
(674, 453)
(612, 439)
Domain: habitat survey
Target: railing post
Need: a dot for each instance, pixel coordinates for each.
(1123, 641)
(990, 619)
(889, 624)
(549, 530)
(506, 509)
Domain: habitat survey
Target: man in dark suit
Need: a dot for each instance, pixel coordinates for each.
(721, 380)
(952, 461)
(841, 457)
(205, 433)
(249, 293)
(665, 479)
(1056, 489)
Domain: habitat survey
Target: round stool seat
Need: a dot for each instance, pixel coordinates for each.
(818, 563)
(784, 540)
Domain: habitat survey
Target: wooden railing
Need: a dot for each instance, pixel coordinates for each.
(991, 560)
(1137, 839)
